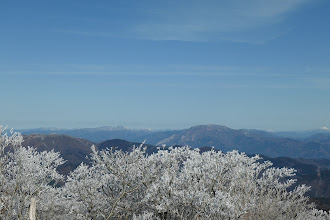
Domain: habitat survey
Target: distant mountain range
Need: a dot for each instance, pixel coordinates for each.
(284, 149)
(312, 172)
(310, 144)
(94, 134)
(302, 135)
(249, 141)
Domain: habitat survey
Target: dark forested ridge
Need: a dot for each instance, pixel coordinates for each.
(73, 150)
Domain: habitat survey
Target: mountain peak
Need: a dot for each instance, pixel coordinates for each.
(210, 127)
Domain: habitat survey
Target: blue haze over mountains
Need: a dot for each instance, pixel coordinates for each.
(300, 144)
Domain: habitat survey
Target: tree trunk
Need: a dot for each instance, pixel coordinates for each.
(33, 209)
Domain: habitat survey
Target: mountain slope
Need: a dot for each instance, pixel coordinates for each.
(73, 150)
(301, 135)
(323, 138)
(95, 134)
(249, 141)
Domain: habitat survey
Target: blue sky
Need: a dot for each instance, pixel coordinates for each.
(165, 64)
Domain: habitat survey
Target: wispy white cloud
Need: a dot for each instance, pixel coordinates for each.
(306, 73)
(188, 76)
(253, 21)
(203, 20)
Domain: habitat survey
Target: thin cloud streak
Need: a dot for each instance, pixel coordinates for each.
(252, 84)
(307, 73)
(201, 21)
(193, 80)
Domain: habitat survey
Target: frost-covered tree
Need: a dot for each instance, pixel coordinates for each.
(113, 187)
(25, 173)
(181, 183)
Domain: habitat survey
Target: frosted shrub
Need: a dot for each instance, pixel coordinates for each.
(114, 186)
(24, 173)
(181, 183)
